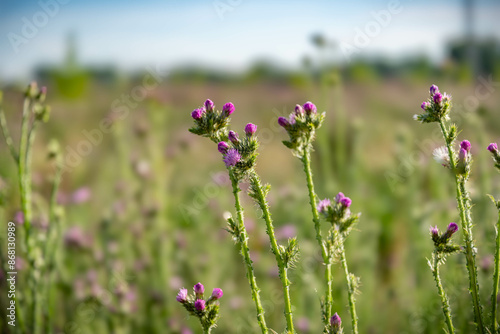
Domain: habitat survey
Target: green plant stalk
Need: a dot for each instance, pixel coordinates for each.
(350, 288)
(245, 252)
(261, 201)
(466, 225)
(306, 160)
(496, 276)
(442, 294)
(7, 136)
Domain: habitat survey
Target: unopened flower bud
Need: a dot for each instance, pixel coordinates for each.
(465, 145)
(222, 147)
(283, 122)
(197, 113)
(299, 110)
(199, 289)
(182, 296)
(199, 304)
(438, 98)
(323, 205)
(309, 108)
(339, 197)
(493, 147)
(217, 293)
(335, 321)
(425, 105)
(209, 105)
(233, 137)
(228, 109)
(250, 129)
(434, 232)
(346, 202)
(433, 90)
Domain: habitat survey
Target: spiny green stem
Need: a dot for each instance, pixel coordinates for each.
(467, 233)
(306, 160)
(8, 138)
(350, 287)
(243, 241)
(442, 294)
(496, 276)
(261, 200)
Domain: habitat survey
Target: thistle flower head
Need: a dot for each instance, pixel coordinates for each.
(335, 321)
(182, 295)
(339, 197)
(434, 232)
(232, 157)
(198, 288)
(199, 304)
(299, 110)
(228, 109)
(217, 293)
(323, 205)
(309, 108)
(452, 228)
(282, 121)
(346, 202)
(465, 144)
(462, 155)
(425, 105)
(222, 147)
(438, 98)
(250, 129)
(233, 137)
(433, 90)
(197, 113)
(441, 156)
(493, 147)
(209, 105)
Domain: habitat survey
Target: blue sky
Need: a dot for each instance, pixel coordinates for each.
(133, 34)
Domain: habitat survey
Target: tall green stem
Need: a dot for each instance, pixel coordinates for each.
(306, 160)
(496, 276)
(442, 294)
(350, 284)
(260, 197)
(464, 208)
(245, 252)
(7, 136)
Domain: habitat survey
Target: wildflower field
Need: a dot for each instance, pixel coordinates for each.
(143, 213)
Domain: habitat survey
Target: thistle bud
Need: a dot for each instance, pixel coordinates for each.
(250, 129)
(228, 109)
(346, 202)
(425, 105)
(283, 122)
(452, 228)
(434, 233)
(433, 90)
(309, 108)
(438, 98)
(299, 110)
(209, 105)
(197, 113)
(222, 147)
(199, 304)
(493, 147)
(339, 197)
(335, 322)
(182, 296)
(217, 293)
(323, 205)
(465, 145)
(199, 289)
(32, 90)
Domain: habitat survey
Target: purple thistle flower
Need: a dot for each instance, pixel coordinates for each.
(434, 231)
(434, 89)
(465, 145)
(199, 288)
(335, 321)
(339, 197)
(209, 105)
(250, 129)
(222, 147)
(323, 205)
(199, 304)
(452, 228)
(233, 137)
(197, 113)
(346, 202)
(217, 293)
(182, 296)
(283, 122)
(493, 147)
(424, 105)
(291, 119)
(228, 109)
(438, 98)
(462, 155)
(232, 157)
(299, 110)
(309, 108)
